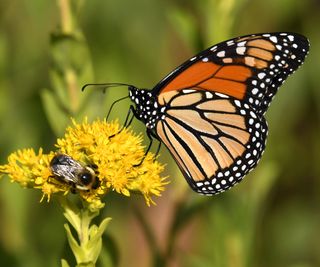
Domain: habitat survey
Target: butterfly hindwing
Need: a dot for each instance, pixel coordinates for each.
(214, 138)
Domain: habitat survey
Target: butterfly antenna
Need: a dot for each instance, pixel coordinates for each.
(105, 86)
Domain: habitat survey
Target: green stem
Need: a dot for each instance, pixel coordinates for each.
(68, 28)
(73, 89)
(65, 16)
(86, 246)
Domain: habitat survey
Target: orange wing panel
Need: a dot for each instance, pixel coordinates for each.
(228, 80)
(236, 73)
(191, 76)
(227, 87)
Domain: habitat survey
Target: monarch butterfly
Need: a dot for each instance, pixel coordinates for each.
(209, 112)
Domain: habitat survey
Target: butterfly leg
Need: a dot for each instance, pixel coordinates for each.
(115, 102)
(151, 137)
(158, 150)
(127, 122)
(149, 134)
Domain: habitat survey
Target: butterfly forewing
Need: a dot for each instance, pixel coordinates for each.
(250, 68)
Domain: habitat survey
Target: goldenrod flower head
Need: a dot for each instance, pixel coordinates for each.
(117, 156)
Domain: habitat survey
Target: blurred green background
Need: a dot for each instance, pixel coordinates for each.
(270, 219)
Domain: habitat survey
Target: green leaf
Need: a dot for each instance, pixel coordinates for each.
(59, 87)
(64, 263)
(71, 212)
(95, 242)
(76, 249)
(86, 264)
(70, 54)
(102, 227)
(87, 214)
(58, 116)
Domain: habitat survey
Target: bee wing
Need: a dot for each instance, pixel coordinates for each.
(66, 168)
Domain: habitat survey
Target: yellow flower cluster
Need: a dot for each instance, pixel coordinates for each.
(117, 156)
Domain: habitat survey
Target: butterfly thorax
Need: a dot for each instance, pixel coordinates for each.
(147, 108)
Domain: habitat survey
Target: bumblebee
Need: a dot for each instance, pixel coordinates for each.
(79, 176)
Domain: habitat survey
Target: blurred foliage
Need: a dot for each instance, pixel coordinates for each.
(270, 219)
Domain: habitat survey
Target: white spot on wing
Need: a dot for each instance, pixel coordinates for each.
(291, 38)
(214, 48)
(261, 75)
(209, 95)
(241, 50)
(222, 95)
(186, 91)
(242, 43)
(221, 54)
(237, 102)
(273, 39)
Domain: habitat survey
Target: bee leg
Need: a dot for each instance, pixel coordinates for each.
(93, 166)
(73, 189)
(55, 178)
(96, 183)
(51, 179)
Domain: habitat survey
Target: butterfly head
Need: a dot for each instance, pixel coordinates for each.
(147, 109)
